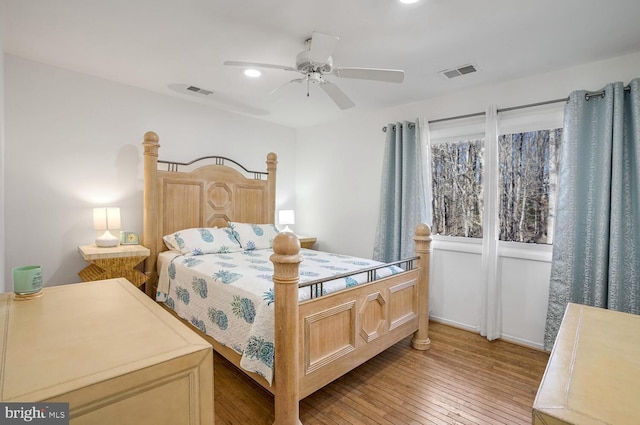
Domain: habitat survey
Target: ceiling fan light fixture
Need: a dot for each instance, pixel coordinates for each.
(315, 62)
(409, 1)
(252, 73)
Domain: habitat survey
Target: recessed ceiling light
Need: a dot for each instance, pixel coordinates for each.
(253, 73)
(409, 1)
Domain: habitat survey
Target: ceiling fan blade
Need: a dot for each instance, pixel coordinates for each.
(322, 46)
(297, 80)
(337, 95)
(386, 75)
(259, 65)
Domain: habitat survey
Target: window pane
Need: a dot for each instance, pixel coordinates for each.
(528, 175)
(457, 188)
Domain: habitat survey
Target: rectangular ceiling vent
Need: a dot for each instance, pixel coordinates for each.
(199, 90)
(459, 71)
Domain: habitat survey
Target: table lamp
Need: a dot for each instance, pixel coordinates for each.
(106, 219)
(286, 217)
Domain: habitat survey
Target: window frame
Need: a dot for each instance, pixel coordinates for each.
(455, 131)
(550, 196)
(542, 117)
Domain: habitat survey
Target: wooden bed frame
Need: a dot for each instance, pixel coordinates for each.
(318, 340)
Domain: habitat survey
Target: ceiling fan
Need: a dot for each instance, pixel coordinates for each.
(315, 63)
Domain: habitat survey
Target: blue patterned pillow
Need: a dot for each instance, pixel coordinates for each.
(254, 236)
(198, 241)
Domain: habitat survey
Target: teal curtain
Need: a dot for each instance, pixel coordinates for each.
(402, 193)
(596, 250)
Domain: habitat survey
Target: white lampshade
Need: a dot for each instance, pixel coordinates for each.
(106, 219)
(286, 217)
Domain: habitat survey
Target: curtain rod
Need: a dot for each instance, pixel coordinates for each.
(587, 96)
(411, 125)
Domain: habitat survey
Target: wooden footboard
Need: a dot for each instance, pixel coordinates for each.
(333, 334)
(341, 332)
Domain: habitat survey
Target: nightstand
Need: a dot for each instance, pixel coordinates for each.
(109, 263)
(307, 241)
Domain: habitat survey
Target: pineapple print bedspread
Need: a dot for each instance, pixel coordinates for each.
(230, 296)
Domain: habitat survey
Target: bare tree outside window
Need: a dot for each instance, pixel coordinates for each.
(457, 188)
(528, 175)
(527, 181)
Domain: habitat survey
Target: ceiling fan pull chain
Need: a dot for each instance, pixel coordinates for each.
(307, 86)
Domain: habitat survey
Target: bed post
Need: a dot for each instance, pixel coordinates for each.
(422, 238)
(272, 161)
(286, 259)
(150, 214)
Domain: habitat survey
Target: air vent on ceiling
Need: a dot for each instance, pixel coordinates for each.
(459, 71)
(199, 90)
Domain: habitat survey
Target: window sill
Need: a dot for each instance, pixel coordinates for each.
(457, 244)
(525, 251)
(515, 250)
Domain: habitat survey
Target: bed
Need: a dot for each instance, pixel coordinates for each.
(317, 338)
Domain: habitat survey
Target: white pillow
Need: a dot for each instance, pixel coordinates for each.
(254, 236)
(198, 241)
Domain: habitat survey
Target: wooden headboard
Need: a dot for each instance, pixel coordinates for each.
(207, 196)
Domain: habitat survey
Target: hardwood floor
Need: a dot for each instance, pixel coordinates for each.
(462, 379)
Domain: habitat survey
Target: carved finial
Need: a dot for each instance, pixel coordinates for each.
(286, 243)
(423, 230)
(272, 160)
(151, 137)
(422, 238)
(151, 144)
(286, 258)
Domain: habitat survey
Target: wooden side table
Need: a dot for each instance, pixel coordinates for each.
(307, 241)
(109, 263)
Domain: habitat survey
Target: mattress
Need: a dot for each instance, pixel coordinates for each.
(230, 296)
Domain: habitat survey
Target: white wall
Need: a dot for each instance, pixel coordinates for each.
(338, 185)
(74, 142)
(2, 170)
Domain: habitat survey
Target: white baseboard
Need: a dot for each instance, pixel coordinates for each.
(508, 338)
(453, 323)
(523, 342)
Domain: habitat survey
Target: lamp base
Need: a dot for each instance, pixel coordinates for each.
(107, 240)
(286, 229)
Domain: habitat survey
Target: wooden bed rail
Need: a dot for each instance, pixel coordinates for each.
(286, 260)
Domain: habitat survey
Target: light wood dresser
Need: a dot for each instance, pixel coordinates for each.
(593, 374)
(109, 351)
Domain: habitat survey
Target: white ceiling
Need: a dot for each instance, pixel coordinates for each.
(160, 44)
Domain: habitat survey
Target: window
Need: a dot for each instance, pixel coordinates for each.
(527, 158)
(457, 188)
(527, 178)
